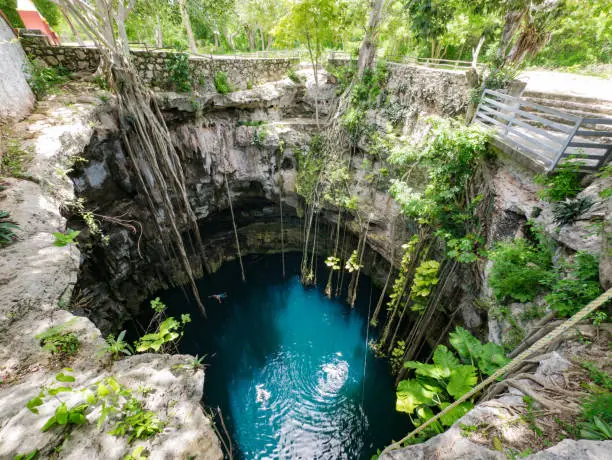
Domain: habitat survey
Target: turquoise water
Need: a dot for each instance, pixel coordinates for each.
(286, 365)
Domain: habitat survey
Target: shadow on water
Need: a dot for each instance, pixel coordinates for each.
(286, 364)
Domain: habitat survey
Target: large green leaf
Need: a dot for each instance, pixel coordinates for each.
(468, 346)
(445, 359)
(411, 394)
(462, 379)
(427, 370)
(455, 414)
(491, 358)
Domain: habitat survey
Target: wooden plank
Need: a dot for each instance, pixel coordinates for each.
(564, 115)
(527, 126)
(589, 145)
(537, 142)
(583, 156)
(491, 120)
(527, 152)
(564, 128)
(597, 121)
(582, 132)
(524, 136)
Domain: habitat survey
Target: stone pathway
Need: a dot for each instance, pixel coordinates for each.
(567, 83)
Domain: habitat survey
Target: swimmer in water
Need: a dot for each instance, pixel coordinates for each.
(219, 297)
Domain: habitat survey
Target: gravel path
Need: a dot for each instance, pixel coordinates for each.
(567, 83)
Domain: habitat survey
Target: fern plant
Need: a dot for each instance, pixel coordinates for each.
(222, 84)
(117, 346)
(568, 211)
(7, 233)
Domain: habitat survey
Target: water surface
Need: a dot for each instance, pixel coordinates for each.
(286, 365)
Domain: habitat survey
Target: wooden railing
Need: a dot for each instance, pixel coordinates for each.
(546, 135)
(448, 64)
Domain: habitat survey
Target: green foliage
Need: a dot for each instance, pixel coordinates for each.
(563, 183)
(576, 285)
(136, 422)
(399, 285)
(44, 79)
(293, 76)
(520, 269)
(194, 363)
(354, 121)
(27, 456)
(59, 343)
(117, 346)
(583, 36)
(49, 10)
(259, 138)
(157, 305)
(352, 264)
(529, 415)
(449, 377)
(309, 166)
(596, 413)
(139, 453)
(568, 211)
(450, 156)
(106, 398)
(396, 359)
(425, 280)
(64, 239)
(488, 357)
(222, 84)
(177, 64)
(7, 229)
(168, 331)
(366, 91)
(9, 8)
(333, 262)
(14, 158)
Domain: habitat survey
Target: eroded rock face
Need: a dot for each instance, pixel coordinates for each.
(36, 284)
(15, 94)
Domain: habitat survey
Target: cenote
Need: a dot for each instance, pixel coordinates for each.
(288, 367)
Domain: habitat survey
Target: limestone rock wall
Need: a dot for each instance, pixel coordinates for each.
(37, 281)
(153, 66)
(16, 98)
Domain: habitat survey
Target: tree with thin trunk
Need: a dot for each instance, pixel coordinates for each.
(187, 22)
(367, 51)
(313, 23)
(155, 163)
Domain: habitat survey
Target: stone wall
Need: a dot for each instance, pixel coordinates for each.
(16, 98)
(425, 89)
(153, 65)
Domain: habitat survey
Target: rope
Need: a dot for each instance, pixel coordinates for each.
(282, 234)
(562, 329)
(365, 356)
(229, 198)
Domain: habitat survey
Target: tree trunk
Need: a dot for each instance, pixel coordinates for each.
(250, 37)
(315, 68)
(230, 40)
(73, 29)
(367, 52)
(159, 37)
(187, 22)
(263, 41)
(511, 24)
(476, 51)
(216, 37)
